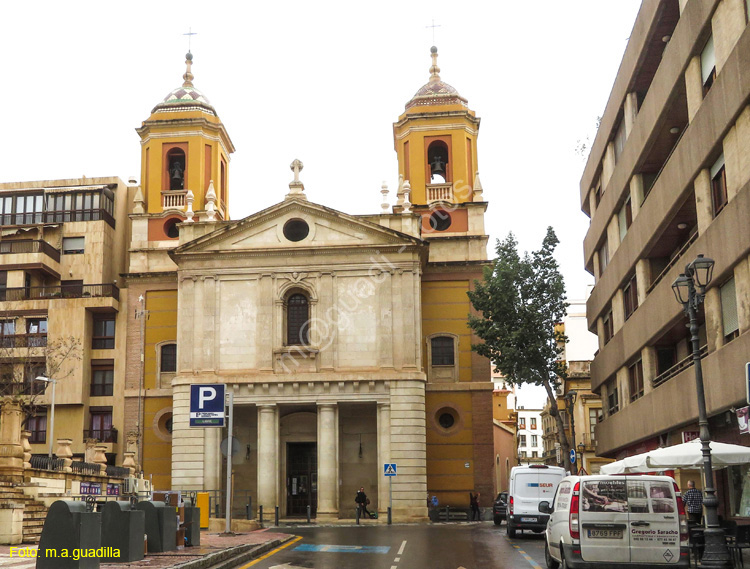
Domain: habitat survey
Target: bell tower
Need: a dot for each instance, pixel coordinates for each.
(185, 152)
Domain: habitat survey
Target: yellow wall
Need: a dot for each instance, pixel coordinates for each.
(161, 326)
(445, 308)
(157, 452)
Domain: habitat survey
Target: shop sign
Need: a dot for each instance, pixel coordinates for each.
(742, 419)
(688, 436)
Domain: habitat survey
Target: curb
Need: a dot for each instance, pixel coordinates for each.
(232, 557)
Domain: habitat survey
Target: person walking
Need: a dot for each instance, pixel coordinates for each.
(474, 503)
(693, 499)
(362, 502)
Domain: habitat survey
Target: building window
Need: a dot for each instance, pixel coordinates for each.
(73, 245)
(438, 157)
(534, 440)
(598, 192)
(718, 185)
(534, 454)
(3, 284)
(523, 454)
(522, 440)
(666, 357)
(619, 140)
(72, 288)
(635, 373)
(102, 380)
(630, 297)
(708, 65)
(101, 424)
(603, 257)
(522, 422)
(533, 423)
(104, 333)
(38, 427)
(613, 400)
(36, 328)
(594, 417)
(176, 168)
(7, 333)
(442, 351)
(625, 218)
(168, 358)
(609, 329)
(297, 320)
(729, 311)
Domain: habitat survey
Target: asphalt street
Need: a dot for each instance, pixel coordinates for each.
(480, 545)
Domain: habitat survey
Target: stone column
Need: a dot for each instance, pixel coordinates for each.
(64, 451)
(212, 459)
(703, 203)
(11, 450)
(100, 458)
(268, 456)
(129, 462)
(384, 455)
(327, 445)
(26, 449)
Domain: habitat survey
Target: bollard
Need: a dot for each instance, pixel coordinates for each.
(357, 515)
(276, 516)
(260, 515)
(390, 519)
(447, 513)
(247, 511)
(308, 513)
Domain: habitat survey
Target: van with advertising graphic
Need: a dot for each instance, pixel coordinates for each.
(530, 485)
(604, 521)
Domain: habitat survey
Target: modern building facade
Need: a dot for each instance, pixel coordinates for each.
(529, 443)
(668, 178)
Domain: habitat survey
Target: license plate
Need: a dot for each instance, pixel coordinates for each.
(605, 533)
(529, 519)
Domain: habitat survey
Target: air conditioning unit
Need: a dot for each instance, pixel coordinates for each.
(130, 485)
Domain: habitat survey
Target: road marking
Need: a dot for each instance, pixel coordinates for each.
(272, 552)
(324, 548)
(526, 557)
(397, 560)
(401, 549)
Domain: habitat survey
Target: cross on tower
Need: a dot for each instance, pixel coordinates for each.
(433, 26)
(189, 35)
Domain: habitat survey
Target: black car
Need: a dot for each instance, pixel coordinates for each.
(499, 508)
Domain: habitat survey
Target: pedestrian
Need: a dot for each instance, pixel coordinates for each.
(693, 499)
(474, 503)
(362, 502)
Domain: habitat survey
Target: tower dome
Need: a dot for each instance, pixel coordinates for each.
(185, 97)
(436, 91)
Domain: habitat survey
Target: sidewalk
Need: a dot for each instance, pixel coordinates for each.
(214, 550)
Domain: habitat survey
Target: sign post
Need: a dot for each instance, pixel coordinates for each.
(228, 515)
(389, 470)
(207, 405)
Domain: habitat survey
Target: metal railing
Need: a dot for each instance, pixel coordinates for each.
(677, 368)
(673, 261)
(27, 387)
(90, 468)
(118, 471)
(217, 503)
(102, 435)
(40, 462)
(60, 291)
(29, 246)
(23, 341)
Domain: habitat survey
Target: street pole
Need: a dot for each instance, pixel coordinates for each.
(228, 514)
(716, 553)
(52, 419)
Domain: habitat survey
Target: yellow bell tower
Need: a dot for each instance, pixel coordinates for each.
(185, 152)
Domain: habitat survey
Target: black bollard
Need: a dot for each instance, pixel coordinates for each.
(308, 513)
(276, 516)
(260, 515)
(390, 519)
(447, 513)
(357, 515)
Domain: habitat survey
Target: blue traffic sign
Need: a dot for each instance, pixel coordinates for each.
(572, 456)
(389, 469)
(207, 405)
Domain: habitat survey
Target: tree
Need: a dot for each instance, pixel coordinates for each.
(522, 302)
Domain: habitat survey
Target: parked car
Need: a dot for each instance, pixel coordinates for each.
(499, 508)
(600, 521)
(530, 485)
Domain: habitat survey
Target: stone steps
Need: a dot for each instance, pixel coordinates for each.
(34, 512)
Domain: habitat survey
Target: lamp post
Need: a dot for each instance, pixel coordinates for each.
(47, 380)
(570, 398)
(581, 450)
(690, 290)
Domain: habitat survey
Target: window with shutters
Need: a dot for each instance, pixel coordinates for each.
(608, 325)
(708, 65)
(718, 185)
(613, 399)
(297, 320)
(729, 311)
(619, 140)
(630, 297)
(636, 380)
(625, 218)
(603, 257)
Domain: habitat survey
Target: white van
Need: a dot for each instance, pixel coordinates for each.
(530, 485)
(604, 521)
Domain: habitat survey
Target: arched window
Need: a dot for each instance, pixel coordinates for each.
(176, 168)
(168, 359)
(442, 351)
(297, 320)
(437, 158)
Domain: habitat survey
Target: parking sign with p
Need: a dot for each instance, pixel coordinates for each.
(207, 405)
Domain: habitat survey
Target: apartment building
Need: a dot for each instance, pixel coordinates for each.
(668, 178)
(529, 436)
(63, 245)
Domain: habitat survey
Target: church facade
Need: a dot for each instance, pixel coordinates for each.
(342, 337)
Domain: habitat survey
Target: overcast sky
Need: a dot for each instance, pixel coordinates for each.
(322, 82)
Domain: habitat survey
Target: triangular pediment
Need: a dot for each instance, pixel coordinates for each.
(274, 228)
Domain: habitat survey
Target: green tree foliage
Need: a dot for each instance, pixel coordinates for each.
(522, 304)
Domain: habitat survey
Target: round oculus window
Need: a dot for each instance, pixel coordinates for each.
(171, 229)
(440, 220)
(446, 420)
(296, 229)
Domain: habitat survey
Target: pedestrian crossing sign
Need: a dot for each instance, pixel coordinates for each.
(389, 469)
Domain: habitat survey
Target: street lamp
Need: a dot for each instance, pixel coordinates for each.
(690, 290)
(52, 411)
(581, 450)
(570, 398)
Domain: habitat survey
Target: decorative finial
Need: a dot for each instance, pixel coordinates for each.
(384, 190)
(477, 188)
(407, 190)
(188, 77)
(434, 70)
(139, 202)
(210, 200)
(296, 187)
(189, 197)
(400, 190)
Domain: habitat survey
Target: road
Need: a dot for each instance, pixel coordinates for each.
(479, 545)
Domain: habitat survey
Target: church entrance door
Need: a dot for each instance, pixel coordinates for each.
(301, 478)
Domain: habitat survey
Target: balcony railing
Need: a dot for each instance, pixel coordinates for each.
(60, 291)
(24, 341)
(58, 216)
(29, 246)
(101, 435)
(90, 468)
(12, 388)
(678, 367)
(440, 192)
(41, 462)
(677, 256)
(589, 440)
(118, 471)
(174, 199)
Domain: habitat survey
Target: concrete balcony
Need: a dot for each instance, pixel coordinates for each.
(174, 199)
(31, 254)
(440, 192)
(60, 291)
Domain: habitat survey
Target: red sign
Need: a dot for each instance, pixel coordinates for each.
(688, 436)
